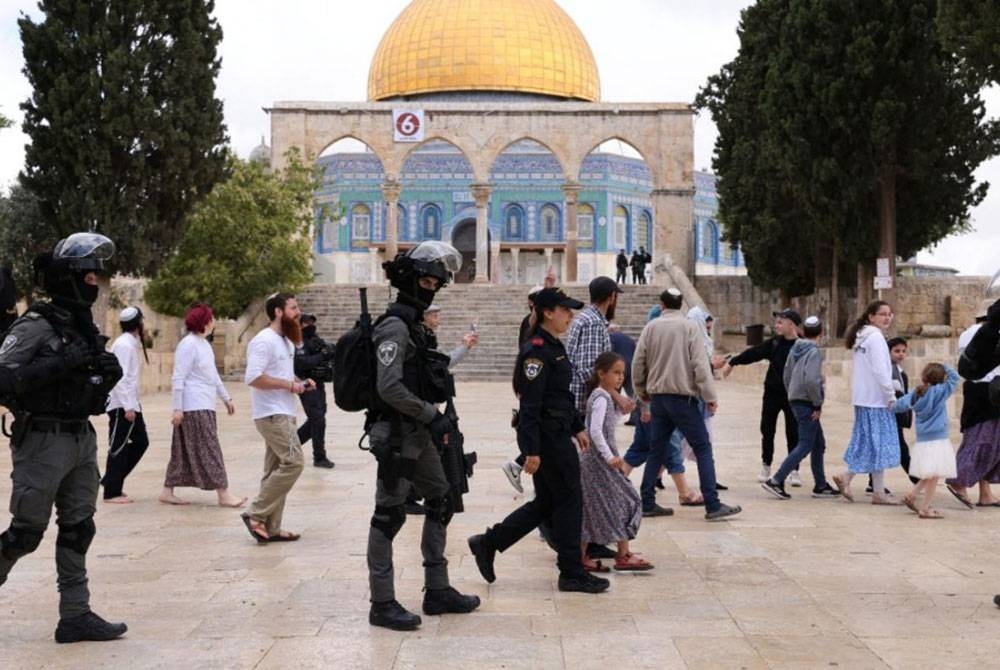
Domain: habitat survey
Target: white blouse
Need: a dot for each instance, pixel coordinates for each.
(196, 381)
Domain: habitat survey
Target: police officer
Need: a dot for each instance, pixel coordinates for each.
(313, 353)
(547, 421)
(412, 378)
(54, 374)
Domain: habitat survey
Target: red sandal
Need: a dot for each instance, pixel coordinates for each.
(632, 563)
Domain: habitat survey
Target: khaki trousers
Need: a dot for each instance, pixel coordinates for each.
(282, 466)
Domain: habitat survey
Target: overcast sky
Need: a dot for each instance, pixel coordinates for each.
(646, 51)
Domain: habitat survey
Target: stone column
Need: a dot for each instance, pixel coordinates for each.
(515, 269)
(390, 192)
(497, 274)
(374, 267)
(481, 193)
(571, 190)
(673, 222)
(548, 263)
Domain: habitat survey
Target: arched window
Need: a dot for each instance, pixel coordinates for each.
(707, 238)
(585, 222)
(361, 222)
(327, 230)
(513, 218)
(550, 223)
(430, 222)
(619, 228)
(643, 232)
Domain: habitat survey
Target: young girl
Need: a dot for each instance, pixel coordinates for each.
(612, 508)
(933, 456)
(874, 445)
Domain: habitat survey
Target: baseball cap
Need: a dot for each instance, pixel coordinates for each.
(789, 314)
(602, 288)
(549, 298)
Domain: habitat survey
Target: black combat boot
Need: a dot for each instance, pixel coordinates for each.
(90, 627)
(448, 601)
(391, 614)
(484, 554)
(583, 583)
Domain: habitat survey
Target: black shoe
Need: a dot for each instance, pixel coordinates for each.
(415, 508)
(484, 556)
(826, 491)
(721, 487)
(323, 463)
(600, 551)
(869, 490)
(89, 627)
(448, 601)
(391, 614)
(996, 600)
(723, 512)
(775, 489)
(583, 583)
(659, 484)
(656, 510)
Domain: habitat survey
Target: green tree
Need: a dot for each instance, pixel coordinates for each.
(5, 122)
(971, 28)
(247, 239)
(126, 132)
(23, 235)
(837, 120)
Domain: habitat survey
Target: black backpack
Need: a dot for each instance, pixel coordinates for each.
(354, 370)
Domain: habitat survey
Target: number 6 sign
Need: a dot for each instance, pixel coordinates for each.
(408, 125)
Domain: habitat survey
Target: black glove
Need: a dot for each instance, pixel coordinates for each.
(108, 367)
(439, 427)
(77, 354)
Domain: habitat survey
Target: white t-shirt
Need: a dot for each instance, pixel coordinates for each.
(196, 381)
(271, 354)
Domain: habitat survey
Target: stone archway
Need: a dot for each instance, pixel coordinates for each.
(463, 238)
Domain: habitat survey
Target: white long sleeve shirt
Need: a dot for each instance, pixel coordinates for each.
(125, 394)
(872, 382)
(196, 382)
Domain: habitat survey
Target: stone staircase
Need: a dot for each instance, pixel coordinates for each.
(496, 310)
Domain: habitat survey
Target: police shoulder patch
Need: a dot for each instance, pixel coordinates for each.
(9, 342)
(537, 341)
(532, 368)
(387, 352)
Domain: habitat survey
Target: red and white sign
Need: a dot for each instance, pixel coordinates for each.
(408, 125)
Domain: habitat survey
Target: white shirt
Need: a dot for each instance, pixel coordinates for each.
(196, 381)
(872, 382)
(963, 342)
(270, 354)
(125, 394)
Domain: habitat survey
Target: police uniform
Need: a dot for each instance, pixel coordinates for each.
(547, 421)
(412, 378)
(54, 375)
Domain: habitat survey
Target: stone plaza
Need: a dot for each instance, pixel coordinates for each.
(787, 584)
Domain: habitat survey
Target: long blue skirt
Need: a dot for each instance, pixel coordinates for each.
(874, 441)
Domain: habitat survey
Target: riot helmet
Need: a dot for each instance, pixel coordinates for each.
(63, 271)
(432, 258)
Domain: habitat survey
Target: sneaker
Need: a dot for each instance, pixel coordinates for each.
(765, 473)
(826, 491)
(448, 601)
(392, 615)
(485, 555)
(657, 510)
(323, 463)
(775, 489)
(794, 479)
(513, 472)
(88, 627)
(723, 512)
(583, 583)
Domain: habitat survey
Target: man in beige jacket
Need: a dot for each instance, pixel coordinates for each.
(672, 372)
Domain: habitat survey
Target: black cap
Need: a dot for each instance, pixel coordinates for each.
(305, 316)
(548, 298)
(602, 288)
(789, 314)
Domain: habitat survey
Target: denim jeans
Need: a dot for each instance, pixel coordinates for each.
(638, 451)
(681, 413)
(811, 442)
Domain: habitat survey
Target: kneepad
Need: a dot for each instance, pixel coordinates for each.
(389, 520)
(440, 509)
(18, 542)
(78, 536)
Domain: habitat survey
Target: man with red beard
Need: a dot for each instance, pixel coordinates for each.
(273, 387)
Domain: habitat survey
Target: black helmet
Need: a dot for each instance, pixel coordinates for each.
(432, 258)
(72, 258)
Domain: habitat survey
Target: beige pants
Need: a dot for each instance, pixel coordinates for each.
(282, 466)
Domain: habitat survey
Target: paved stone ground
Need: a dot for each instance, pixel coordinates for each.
(797, 584)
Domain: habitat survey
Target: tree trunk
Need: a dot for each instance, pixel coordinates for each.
(887, 221)
(833, 316)
(866, 275)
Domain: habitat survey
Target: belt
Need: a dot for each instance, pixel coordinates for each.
(75, 427)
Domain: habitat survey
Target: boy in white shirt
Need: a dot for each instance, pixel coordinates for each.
(127, 439)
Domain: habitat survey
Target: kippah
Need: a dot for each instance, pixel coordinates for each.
(674, 292)
(128, 314)
(811, 321)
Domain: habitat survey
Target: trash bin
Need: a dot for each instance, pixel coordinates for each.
(755, 334)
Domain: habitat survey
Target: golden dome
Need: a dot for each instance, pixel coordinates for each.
(528, 46)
